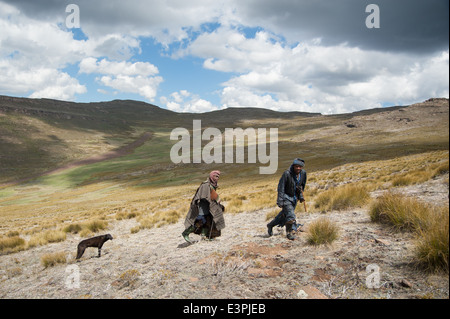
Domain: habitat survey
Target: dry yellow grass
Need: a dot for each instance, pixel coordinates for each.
(128, 278)
(432, 244)
(381, 174)
(11, 244)
(400, 212)
(91, 208)
(322, 231)
(159, 219)
(86, 228)
(96, 225)
(343, 197)
(73, 228)
(429, 223)
(421, 175)
(126, 215)
(49, 236)
(50, 260)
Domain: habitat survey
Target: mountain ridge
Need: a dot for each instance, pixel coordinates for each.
(40, 135)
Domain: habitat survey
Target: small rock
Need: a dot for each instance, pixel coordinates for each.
(310, 292)
(382, 241)
(302, 294)
(193, 279)
(319, 257)
(405, 283)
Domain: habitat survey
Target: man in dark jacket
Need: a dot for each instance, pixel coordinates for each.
(290, 190)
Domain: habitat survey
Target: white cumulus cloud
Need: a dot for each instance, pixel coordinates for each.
(312, 77)
(186, 102)
(139, 77)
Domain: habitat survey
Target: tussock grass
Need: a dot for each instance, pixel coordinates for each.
(343, 197)
(11, 244)
(126, 215)
(13, 272)
(128, 278)
(86, 228)
(422, 175)
(322, 231)
(96, 225)
(159, 219)
(410, 179)
(13, 233)
(254, 199)
(49, 236)
(429, 223)
(50, 260)
(235, 205)
(432, 245)
(73, 228)
(399, 212)
(385, 174)
(441, 168)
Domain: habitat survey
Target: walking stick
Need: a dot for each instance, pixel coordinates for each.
(304, 202)
(210, 229)
(306, 210)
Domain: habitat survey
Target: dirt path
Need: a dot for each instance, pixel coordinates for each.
(243, 263)
(121, 151)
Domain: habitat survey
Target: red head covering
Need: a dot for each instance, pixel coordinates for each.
(214, 177)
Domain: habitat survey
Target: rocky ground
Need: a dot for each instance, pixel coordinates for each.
(367, 261)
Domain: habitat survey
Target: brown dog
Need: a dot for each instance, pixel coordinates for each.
(97, 241)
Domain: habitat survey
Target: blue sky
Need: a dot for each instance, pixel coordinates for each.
(204, 55)
(184, 73)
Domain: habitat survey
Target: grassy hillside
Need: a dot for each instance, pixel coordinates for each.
(38, 135)
(376, 146)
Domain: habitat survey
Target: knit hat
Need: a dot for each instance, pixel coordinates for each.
(299, 161)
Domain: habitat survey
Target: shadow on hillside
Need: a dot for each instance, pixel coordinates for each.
(26, 158)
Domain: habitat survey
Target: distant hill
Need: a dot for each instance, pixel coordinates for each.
(40, 135)
(127, 112)
(114, 115)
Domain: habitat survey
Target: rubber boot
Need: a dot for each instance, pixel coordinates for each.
(289, 233)
(270, 227)
(204, 233)
(187, 232)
